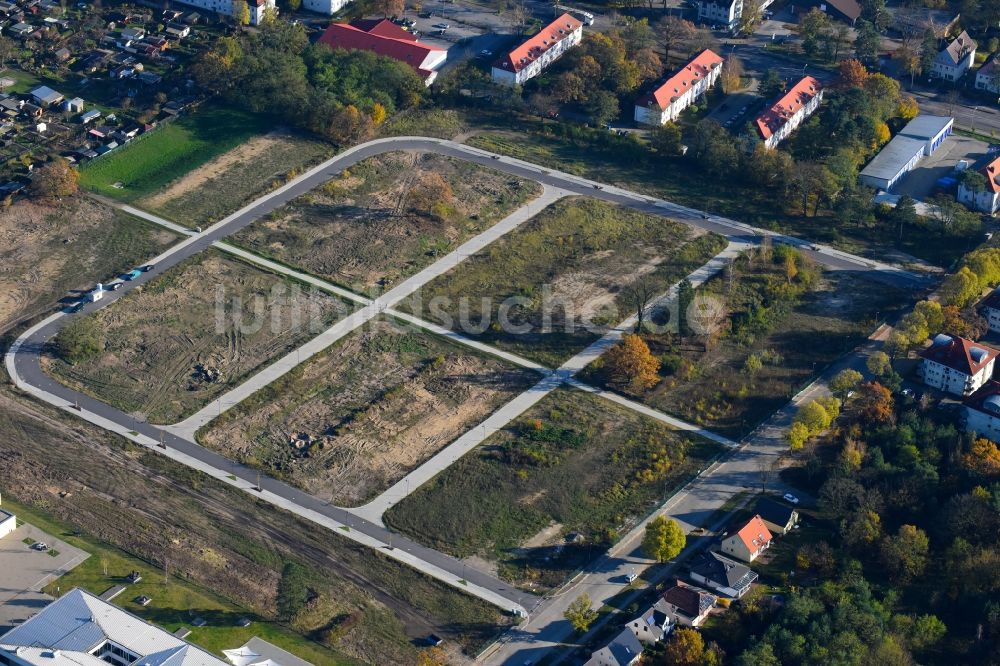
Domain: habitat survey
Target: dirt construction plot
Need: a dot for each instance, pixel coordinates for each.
(386, 218)
(575, 262)
(46, 251)
(166, 350)
(550, 492)
(347, 425)
(223, 185)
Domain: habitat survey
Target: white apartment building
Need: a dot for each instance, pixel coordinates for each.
(989, 307)
(956, 59)
(328, 7)
(724, 13)
(987, 200)
(235, 7)
(530, 58)
(775, 124)
(982, 412)
(679, 91)
(988, 77)
(956, 365)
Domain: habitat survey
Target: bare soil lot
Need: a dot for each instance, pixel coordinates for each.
(377, 404)
(195, 332)
(386, 218)
(229, 181)
(48, 251)
(574, 464)
(574, 263)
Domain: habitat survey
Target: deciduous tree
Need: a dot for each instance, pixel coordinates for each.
(875, 403)
(55, 180)
(664, 539)
(845, 381)
(983, 459)
(905, 554)
(631, 366)
(580, 614)
(685, 647)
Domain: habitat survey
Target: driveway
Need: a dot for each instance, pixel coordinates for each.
(24, 572)
(920, 182)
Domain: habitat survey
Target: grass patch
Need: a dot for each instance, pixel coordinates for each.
(386, 217)
(354, 420)
(572, 464)
(795, 329)
(176, 602)
(170, 348)
(572, 263)
(170, 151)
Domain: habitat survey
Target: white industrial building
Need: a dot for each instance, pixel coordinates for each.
(921, 137)
(957, 365)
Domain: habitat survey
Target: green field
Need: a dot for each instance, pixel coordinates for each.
(574, 463)
(176, 602)
(170, 151)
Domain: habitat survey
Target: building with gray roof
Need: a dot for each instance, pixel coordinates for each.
(921, 137)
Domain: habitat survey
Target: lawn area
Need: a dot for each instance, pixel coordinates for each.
(47, 251)
(573, 263)
(793, 328)
(351, 422)
(620, 162)
(192, 334)
(170, 151)
(572, 464)
(386, 218)
(23, 82)
(226, 183)
(176, 602)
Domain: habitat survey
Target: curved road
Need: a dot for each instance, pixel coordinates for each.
(23, 358)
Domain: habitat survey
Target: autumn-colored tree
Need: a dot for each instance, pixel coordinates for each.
(882, 134)
(963, 323)
(875, 403)
(432, 656)
(631, 366)
(664, 539)
(862, 529)
(686, 647)
(879, 364)
(390, 7)
(431, 191)
(731, 77)
(243, 12)
(983, 459)
(908, 108)
(55, 180)
(580, 614)
(798, 435)
(852, 74)
(905, 554)
(845, 381)
(671, 30)
(791, 267)
(378, 114)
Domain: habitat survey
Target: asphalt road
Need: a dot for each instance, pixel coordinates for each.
(24, 358)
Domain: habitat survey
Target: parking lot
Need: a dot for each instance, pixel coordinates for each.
(920, 182)
(25, 571)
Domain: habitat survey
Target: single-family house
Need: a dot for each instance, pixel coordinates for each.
(624, 650)
(957, 365)
(779, 517)
(530, 58)
(747, 543)
(783, 117)
(989, 307)
(988, 76)
(74, 105)
(981, 411)
(32, 111)
(721, 574)
(687, 605)
(133, 34)
(46, 97)
(89, 116)
(178, 31)
(847, 11)
(955, 59)
(654, 625)
(22, 30)
(387, 39)
(986, 200)
(680, 91)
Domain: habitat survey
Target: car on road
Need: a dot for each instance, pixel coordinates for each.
(485, 53)
(439, 33)
(147, 268)
(76, 307)
(788, 497)
(114, 286)
(40, 546)
(631, 576)
(131, 275)
(442, 26)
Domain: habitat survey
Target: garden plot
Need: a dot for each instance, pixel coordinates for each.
(192, 334)
(580, 260)
(348, 424)
(552, 490)
(386, 217)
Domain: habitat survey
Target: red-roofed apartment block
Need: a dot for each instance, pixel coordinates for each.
(957, 365)
(776, 123)
(386, 39)
(750, 541)
(680, 90)
(987, 200)
(530, 58)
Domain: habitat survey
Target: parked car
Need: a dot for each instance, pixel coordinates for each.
(147, 268)
(114, 286)
(39, 545)
(788, 497)
(631, 577)
(131, 275)
(76, 307)
(486, 53)
(442, 26)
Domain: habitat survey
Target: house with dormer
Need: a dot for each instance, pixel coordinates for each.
(748, 542)
(783, 117)
(687, 605)
(721, 574)
(541, 50)
(955, 59)
(957, 365)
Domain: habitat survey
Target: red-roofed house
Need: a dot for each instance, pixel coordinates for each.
(538, 52)
(957, 365)
(776, 123)
(386, 39)
(680, 90)
(749, 541)
(989, 307)
(987, 200)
